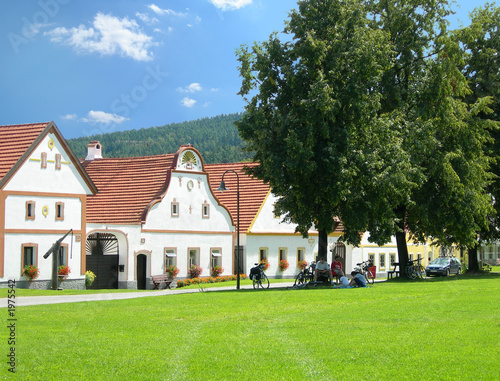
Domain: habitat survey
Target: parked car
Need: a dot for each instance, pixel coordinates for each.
(444, 266)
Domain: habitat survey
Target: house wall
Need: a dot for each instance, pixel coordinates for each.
(45, 185)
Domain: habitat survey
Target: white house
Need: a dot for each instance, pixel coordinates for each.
(43, 195)
(152, 212)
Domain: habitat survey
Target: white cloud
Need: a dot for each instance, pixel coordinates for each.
(145, 18)
(94, 117)
(188, 102)
(69, 117)
(230, 5)
(31, 30)
(109, 35)
(192, 88)
(161, 12)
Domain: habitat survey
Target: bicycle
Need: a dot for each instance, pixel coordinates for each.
(306, 275)
(414, 269)
(259, 277)
(364, 269)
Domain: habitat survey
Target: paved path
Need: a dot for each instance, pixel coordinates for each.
(54, 299)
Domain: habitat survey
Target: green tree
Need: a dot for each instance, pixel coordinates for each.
(481, 41)
(360, 114)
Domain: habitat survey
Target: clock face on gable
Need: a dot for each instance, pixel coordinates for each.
(189, 160)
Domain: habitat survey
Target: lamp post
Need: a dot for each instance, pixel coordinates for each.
(223, 188)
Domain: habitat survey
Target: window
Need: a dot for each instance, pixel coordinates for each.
(371, 257)
(63, 254)
(59, 210)
(30, 210)
(205, 210)
(410, 257)
(29, 254)
(44, 160)
(393, 259)
(58, 161)
(216, 257)
(283, 253)
(382, 261)
(170, 257)
(194, 257)
(300, 254)
(175, 208)
(262, 254)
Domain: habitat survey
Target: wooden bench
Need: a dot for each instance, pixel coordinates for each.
(158, 280)
(394, 272)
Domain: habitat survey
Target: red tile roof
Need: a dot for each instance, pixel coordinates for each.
(14, 141)
(253, 192)
(126, 187)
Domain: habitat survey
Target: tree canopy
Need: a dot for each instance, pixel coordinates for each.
(361, 113)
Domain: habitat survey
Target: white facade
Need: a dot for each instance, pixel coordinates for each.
(42, 200)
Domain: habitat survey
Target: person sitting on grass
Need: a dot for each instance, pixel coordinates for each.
(344, 283)
(322, 267)
(358, 279)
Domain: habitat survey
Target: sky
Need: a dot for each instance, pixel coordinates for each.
(96, 67)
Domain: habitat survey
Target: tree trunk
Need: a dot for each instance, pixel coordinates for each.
(323, 244)
(473, 262)
(401, 241)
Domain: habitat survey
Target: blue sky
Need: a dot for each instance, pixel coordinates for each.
(103, 66)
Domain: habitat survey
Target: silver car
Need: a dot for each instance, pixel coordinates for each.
(444, 266)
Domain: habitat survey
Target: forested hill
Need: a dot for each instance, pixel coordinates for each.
(215, 138)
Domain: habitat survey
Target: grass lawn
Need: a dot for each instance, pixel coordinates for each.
(442, 328)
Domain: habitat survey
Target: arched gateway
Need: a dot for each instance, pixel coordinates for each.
(102, 259)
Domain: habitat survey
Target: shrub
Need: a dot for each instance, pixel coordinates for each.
(195, 271)
(89, 278)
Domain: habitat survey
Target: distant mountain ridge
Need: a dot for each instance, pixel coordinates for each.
(216, 138)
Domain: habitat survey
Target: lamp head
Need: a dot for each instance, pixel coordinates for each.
(222, 187)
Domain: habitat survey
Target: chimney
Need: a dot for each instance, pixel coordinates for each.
(94, 150)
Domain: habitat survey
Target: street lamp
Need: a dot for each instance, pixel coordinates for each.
(223, 188)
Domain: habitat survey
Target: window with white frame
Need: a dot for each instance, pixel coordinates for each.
(371, 257)
(216, 257)
(29, 255)
(301, 254)
(283, 253)
(194, 257)
(59, 210)
(392, 259)
(382, 261)
(170, 257)
(263, 254)
(174, 208)
(205, 210)
(30, 210)
(63, 254)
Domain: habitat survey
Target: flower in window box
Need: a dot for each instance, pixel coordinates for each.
(31, 272)
(302, 264)
(195, 271)
(217, 270)
(283, 264)
(172, 271)
(63, 270)
(264, 262)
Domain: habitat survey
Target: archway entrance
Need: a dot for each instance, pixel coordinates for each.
(142, 261)
(339, 249)
(102, 259)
